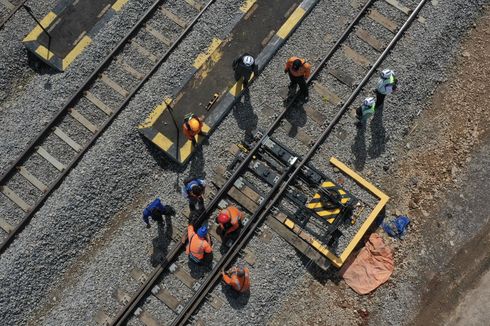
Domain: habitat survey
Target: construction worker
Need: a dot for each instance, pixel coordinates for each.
(199, 244)
(365, 111)
(229, 220)
(155, 210)
(298, 71)
(193, 191)
(238, 278)
(387, 84)
(192, 126)
(244, 66)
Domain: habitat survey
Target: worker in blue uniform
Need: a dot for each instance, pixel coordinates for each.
(156, 210)
(193, 191)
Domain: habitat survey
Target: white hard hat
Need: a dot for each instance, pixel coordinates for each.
(387, 73)
(248, 60)
(368, 101)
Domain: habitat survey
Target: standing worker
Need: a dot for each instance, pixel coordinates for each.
(244, 66)
(229, 220)
(238, 278)
(199, 244)
(387, 84)
(193, 191)
(192, 126)
(155, 210)
(365, 111)
(298, 71)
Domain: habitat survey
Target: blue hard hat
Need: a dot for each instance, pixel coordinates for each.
(203, 230)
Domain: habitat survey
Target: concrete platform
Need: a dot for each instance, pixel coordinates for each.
(211, 89)
(71, 24)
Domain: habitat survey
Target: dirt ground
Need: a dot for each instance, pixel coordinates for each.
(431, 180)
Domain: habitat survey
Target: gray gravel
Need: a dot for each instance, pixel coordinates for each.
(107, 191)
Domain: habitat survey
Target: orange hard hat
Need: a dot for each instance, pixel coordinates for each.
(223, 217)
(195, 124)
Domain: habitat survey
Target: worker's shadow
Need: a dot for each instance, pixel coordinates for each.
(197, 164)
(378, 134)
(162, 241)
(245, 115)
(359, 149)
(296, 116)
(236, 300)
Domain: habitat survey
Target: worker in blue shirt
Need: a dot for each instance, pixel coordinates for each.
(155, 210)
(193, 191)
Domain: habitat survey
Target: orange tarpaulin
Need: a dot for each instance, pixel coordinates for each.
(371, 268)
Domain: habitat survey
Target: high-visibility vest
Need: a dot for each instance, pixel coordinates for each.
(384, 83)
(235, 217)
(239, 284)
(197, 246)
(303, 71)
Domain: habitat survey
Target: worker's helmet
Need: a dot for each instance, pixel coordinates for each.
(369, 101)
(297, 64)
(202, 231)
(223, 217)
(197, 190)
(387, 73)
(194, 124)
(248, 60)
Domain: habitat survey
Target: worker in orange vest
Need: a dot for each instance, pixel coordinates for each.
(238, 278)
(229, 220)
(299, 71)
(199, 244)
(192, 126)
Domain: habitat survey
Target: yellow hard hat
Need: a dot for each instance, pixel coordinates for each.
(194, 124)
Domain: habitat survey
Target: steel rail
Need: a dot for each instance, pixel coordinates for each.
(155, 274)
(12, 13)
(32, 146)
(226, 260)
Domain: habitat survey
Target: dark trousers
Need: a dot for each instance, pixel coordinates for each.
(301, 81)
(239, 73)
(196, 204)
(380, 99)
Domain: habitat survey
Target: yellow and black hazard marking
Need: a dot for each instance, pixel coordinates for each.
(68, 29)
(326, 208)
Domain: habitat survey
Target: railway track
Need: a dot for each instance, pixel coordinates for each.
(90, 110)
(12, 7)
(284, 170)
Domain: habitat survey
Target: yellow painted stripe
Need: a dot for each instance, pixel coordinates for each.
(202, 57)
(289, 223)
(45, 22)
(154, 115)
(328, 213)
(84, 42)
(205, 128)
(117, 6)
(342, 192)
(344, 200)
(161, 141)
(292, 21)
(186, 150)
(328, 184)
(237, 88)
(247, 5)
(44, 53)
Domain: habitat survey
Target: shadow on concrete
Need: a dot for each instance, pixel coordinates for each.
(359, 149)
(197, 164)
(245, 115)
(378, 134)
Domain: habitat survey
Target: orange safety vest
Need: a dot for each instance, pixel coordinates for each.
(235, 217)
(303, 71)
(188, 132)
(197, 246)
(239, 284)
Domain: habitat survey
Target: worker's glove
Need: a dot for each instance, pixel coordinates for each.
(285, 71)
(148, 226)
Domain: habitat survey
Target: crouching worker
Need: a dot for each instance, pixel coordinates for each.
(238, 278)
(155, 210)
(229, 220)
(199, 244)
(193, 191)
